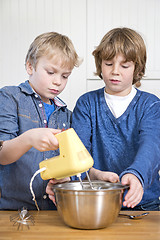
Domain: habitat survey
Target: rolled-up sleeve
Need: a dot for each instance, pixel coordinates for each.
(8, 115)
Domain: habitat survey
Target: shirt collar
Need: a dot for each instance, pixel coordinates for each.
(58, 102)
(26, 88)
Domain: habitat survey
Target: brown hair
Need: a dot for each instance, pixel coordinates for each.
(52, 44)
(127, 42)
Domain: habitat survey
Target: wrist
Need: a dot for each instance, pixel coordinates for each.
(27, 138)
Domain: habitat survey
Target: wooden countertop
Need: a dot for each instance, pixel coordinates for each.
(48, 225)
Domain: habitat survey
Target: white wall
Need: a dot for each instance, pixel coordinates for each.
(22, 20)
(140, 15)
(85, 22)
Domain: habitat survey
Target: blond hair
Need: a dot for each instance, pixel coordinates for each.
(122, 41)
(53, 44)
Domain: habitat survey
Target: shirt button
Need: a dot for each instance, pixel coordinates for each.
(40, 105)
(45, 121)
(64, 124)
(44, 197)
(36, 95)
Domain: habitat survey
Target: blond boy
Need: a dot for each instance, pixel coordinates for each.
(30, 115)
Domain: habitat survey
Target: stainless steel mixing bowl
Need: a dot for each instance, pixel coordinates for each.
(89, 208)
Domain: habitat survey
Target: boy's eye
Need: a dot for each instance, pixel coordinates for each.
(109, 64)
(50, 72)
(66, 76)
(125, 66)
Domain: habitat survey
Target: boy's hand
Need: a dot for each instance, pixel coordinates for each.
(42, 139)
(96, 174)
(50, 185)
(135, 192)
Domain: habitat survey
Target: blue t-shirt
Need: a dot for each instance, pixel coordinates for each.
(49, 109)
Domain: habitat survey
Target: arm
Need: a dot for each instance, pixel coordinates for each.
(16, 144)
(142, 172)
(42, 139)
(83, 115)
(147, 160)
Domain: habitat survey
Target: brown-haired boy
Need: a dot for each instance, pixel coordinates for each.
(120, 125)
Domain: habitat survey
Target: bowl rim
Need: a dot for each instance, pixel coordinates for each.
(62, 186)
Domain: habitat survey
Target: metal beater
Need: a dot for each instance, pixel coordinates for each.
(23, 218)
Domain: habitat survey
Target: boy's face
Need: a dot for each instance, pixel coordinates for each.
(49, 78)
(118, 75)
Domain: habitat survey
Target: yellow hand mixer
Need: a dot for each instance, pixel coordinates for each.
(74, 159)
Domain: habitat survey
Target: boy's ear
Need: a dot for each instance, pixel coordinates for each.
(29, 68)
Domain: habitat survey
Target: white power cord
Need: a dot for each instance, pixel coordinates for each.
(31, 189)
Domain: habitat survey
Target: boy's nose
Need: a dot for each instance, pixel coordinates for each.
(115, 69)
(56, 80)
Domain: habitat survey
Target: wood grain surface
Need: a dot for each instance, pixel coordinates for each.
(48, 225)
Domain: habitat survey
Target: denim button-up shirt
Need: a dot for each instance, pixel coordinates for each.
(22, 109)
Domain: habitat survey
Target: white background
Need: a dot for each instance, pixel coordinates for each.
(85, 22)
